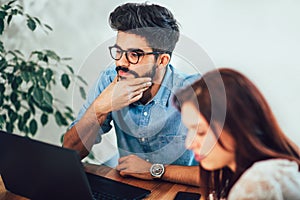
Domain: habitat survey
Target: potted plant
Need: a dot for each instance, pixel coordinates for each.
(26, 82)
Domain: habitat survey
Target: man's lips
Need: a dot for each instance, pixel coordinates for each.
(122, 73)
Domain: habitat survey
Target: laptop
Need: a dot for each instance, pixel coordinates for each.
(42, 171)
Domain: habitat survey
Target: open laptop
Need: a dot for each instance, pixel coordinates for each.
(42, 171)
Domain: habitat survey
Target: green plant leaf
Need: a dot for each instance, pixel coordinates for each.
(69, 109)
(82, 80)
(46, 108)
(65, 80)
(13, 97)
(2, 120)
(11, 2)
(13, 116)
(30, 90)
(2, 88)
(2, 14)
(20, 12)
(49, 74)
(60, 120)
(38, 53)
(1, 26)
(91, 155)
(9, 19)
(82, 92)
(21, 123)
(66, 58)
(14, 11)
(47, 98)
(52, 55)
(44, 119)
(31, 106)
(70, 68)
(26, 115)
(33, 127)
(69, 116)
(62, 138)
(38, 95)
(20, 7)
(17, 105)
(10, 78)
(26, 130)
(24, 95)
(9, 127)
(3, 64)
(25, 76)
(42, 81)
(2, 50)
(48, 27)
(17, 81)
(37, 20)
(31, 24)
(6, 7)
(19, 52)
(1, 100)
(12, 53)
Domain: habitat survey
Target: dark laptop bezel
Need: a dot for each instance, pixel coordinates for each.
(23, 166)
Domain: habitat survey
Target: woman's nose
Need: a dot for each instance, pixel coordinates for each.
(190, 141)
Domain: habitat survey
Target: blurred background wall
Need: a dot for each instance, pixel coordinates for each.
(259, 38)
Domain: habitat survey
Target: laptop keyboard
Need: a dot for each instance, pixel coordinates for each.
(105, 188)
(103, 196)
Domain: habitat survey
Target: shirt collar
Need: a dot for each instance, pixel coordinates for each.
(165, 89)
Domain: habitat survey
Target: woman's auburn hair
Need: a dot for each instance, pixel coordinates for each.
(248, 119)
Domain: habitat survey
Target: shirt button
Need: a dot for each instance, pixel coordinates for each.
(143, 139)
(145, 113)
(147, 160)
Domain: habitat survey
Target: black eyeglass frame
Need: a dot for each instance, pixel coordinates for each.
(140, 53)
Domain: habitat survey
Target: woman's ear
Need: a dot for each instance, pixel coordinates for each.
(164, 60)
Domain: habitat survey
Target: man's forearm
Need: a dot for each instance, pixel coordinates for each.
(82, 135)
(182, 174)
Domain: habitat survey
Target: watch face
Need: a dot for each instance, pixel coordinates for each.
(157, 170)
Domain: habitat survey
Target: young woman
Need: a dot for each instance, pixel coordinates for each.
(243, 153)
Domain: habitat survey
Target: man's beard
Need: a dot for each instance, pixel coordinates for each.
(152, 73)
(146, 94)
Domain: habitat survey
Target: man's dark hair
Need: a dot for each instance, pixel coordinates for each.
(153, 22)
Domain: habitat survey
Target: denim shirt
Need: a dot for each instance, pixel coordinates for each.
(153, 131)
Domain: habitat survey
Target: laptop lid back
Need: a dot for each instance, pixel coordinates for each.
(38, 170)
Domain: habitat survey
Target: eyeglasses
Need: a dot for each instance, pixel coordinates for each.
(133, 56)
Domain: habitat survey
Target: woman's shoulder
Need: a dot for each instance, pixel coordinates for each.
(274, 165)
(274, 178)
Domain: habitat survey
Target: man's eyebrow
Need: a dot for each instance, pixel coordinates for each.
(130, 49)
(115, 45)
(135, 49)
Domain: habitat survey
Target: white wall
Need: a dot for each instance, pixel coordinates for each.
(258, 37)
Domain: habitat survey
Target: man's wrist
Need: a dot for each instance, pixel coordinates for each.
(95, 114)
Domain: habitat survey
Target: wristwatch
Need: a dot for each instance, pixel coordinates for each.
(157, 170)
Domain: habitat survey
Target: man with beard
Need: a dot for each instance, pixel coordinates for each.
(135, 94)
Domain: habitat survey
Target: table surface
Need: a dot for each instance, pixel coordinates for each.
(159, 189)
